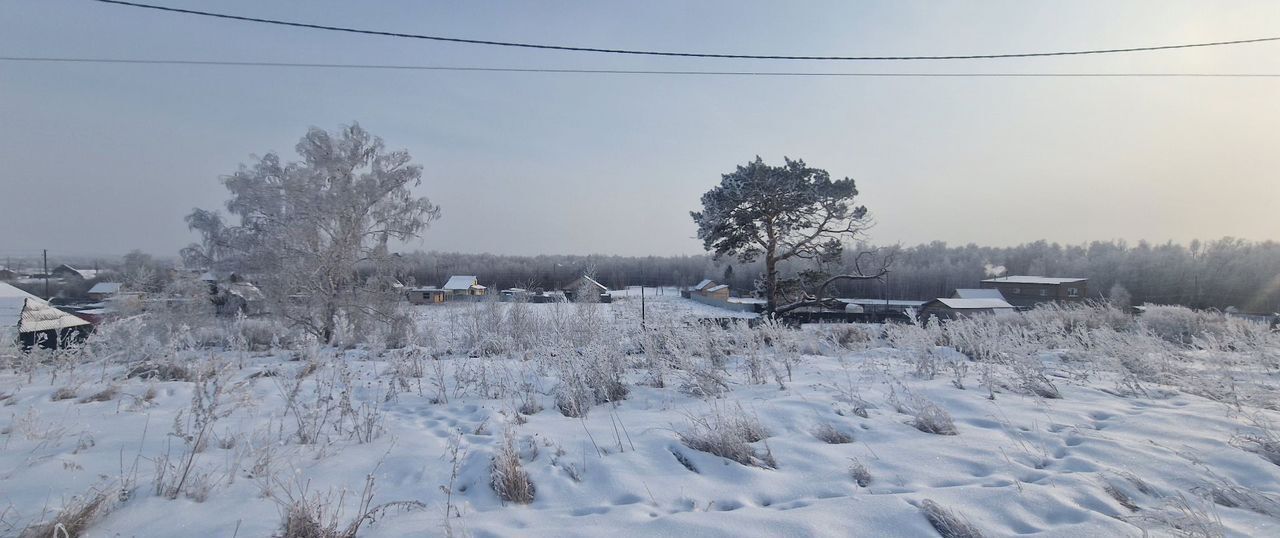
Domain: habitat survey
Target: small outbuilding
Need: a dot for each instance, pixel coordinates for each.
(104, 290)
(426, 295)
(719, 292)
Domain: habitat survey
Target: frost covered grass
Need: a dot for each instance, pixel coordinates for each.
(494, 419)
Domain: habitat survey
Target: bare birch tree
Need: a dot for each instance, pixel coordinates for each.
(314, 234)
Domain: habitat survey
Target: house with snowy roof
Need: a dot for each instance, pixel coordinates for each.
(459, 286)
(1027, 291)
(33, 322)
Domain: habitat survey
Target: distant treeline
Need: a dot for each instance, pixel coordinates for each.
(1213, 274)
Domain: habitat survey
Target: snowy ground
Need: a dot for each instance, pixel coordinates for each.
(260, 433)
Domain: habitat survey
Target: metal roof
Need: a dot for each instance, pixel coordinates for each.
(105, 287)
(1033, 280)
(718, 288)
(882, 302)
(460, 282)
(703, 284)
(30, 313)
(972, 304)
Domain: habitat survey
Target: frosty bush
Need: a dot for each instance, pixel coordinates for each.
(728, 433)
(948, 524)
(507, 476)
(78, 513)
(926, 415)
(588, 376)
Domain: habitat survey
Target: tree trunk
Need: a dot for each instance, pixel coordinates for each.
(771, 282)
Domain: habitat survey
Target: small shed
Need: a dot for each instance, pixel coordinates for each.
(951, 308)
(104, 290)
(426, 295)
(719, 292)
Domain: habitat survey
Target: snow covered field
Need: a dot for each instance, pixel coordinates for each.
(1056, 423)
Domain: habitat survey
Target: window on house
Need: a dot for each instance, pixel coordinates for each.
(1044, 293)
(1017, 291)
(1073, 292)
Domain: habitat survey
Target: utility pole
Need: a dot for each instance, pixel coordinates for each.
(642, 306)
(46, 273)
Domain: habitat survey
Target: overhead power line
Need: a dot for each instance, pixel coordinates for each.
(899, 74)
(635, 52)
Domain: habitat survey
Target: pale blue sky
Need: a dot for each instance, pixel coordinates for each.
(105, 158)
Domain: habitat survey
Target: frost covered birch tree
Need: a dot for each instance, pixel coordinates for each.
(778, 213)
(314, 234)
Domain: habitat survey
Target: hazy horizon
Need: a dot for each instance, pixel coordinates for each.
(108, 158)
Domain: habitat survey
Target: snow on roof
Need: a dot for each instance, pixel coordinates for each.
(105, 287)
(718, 288)
(1033, 280)
(969, 304)
(585, 281)
(703, 284)
(976, 293)
(246, 291)
(889, 302)
(30, 313)
(460, 282)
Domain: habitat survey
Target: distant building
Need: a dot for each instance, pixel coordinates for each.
(240, 297)
(697, 289)
(426, 295)
(104, 290)
(9, 274)
(67, 272)
(880, 308)
(950, 308)
(718, 292)
(464, 286)
(1026, 291)
(585, 288)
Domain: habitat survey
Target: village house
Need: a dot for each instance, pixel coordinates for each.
(1028, 291)
(10, 274)
(951, 308)
(464, 286)
(67, 272)
(34, 323)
